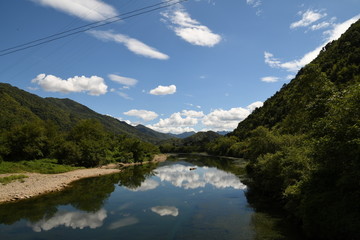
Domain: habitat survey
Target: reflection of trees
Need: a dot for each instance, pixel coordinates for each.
(132, 177)
(235, 166)
(88, 195)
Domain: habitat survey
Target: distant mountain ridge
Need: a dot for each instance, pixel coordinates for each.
(19, 106)
(152, 133)
(182, 135)
(189, 134)
(194, 143)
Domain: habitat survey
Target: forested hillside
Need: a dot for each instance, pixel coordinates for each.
(303, 145)
(19, 106)
(32, 128)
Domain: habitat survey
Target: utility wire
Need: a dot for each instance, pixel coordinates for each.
(89, 26)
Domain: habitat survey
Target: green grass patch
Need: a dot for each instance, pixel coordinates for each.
(9, 179)
(46, 166)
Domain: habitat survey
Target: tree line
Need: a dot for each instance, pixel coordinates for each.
(86, 144)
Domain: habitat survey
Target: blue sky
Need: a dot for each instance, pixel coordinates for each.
(198, 65)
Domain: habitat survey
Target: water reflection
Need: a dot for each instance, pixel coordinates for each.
(192, 177)
(148, 184)
(88, 195)
(123, 223)
(73, 220)
(165, 210)
(169, 201)
(134, 176)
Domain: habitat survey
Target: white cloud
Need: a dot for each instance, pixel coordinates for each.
(163, 90)
(132, 44)
(254, 3)
(165, 210)
(73, 220)
(217, 120)
(308, 18)
(254, 105)
(220, 119)
(123, 80)
(190, 29)
(290, 77)
(192, 113)
(339, 29)
(176, 120)
(227, 120)
(125, 96)
(94, 85)
(320, 26)
(89, 10)
(295, 65)
(123, 223)
(175, 124)
(270, 79)
(143, 114)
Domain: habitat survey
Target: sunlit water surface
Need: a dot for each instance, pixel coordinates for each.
(179, 199)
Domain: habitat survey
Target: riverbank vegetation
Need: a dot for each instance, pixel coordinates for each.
(87, 144)
(11, 178)
(45, 166)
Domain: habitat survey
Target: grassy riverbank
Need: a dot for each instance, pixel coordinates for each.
(45, 166)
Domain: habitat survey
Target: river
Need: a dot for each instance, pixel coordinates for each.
(186, 197)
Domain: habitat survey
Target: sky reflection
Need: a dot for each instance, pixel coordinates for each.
(74, 220)
(181, 176)
(165, 210)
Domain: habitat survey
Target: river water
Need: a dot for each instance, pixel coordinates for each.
(189, 197)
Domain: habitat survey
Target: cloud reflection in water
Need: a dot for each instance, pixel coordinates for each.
(165, 210)
(123, 223)
(181, 176)
(72, 219)
(148, 184)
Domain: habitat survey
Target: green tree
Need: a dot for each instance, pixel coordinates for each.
(86, 145)
(26, 142)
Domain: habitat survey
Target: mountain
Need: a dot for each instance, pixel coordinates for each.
(151, 133)
(303, 100)
(182, 135)
(223, 133)
(188, 134)
(19, 106)
(303, 145)
(194, 143)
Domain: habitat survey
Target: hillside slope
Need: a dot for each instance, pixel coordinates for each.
(19, 106)
(304, 99)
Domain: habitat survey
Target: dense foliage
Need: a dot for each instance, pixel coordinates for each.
(195, 143)
(303, 145)
(87, 144)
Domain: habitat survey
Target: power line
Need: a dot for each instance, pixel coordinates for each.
(89, 26)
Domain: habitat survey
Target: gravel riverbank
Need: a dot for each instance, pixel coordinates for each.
(36, 184)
